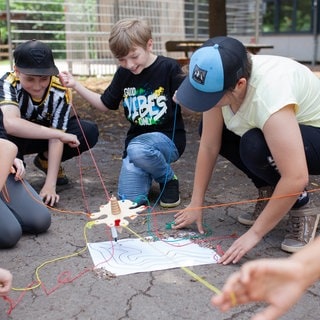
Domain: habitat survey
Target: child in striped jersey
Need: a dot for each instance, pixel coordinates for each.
(36, 110)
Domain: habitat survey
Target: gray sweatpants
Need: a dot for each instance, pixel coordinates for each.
(21, 210)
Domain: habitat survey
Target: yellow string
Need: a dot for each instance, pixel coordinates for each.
(233, 299)
(39, 282)
(89, 225)
(185, 269)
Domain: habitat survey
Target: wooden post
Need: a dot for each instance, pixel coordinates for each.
(217, 18)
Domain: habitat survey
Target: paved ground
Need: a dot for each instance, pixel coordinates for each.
(71, 289)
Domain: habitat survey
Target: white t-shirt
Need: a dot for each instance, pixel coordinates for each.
(274, 83)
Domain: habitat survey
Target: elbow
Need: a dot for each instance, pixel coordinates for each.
(306, 181)
(305, 178)
(296, 182)
(302, 182)
(9, 125)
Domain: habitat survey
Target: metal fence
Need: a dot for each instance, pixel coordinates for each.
(77, 30)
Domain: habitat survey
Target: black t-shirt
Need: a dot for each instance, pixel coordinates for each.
(147, 100)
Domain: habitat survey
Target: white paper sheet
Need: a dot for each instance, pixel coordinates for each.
(127, 256)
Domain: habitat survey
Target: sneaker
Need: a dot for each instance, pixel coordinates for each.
(170, 193)
(248, 219)
(42, 164)
(302, 227)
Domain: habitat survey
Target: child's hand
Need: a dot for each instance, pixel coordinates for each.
(18, 169)
(5, 282)
(67, 79)
(188, 216)
(174, 98)
(70, 139)
(278, 282)
(186, 110)
(49, 195)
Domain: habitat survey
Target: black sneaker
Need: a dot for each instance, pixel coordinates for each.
(170, 193)
(42, 164)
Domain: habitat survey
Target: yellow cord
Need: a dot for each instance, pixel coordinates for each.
(233, 299)
(88, 225)
(185, 269)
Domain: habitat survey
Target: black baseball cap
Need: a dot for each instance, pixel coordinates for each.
(214, 68)
(34, 57)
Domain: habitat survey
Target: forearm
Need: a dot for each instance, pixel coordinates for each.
(26, 129)
(309, 258)
(92, 97)
(282, 200)
(55, 149)
(204, 168)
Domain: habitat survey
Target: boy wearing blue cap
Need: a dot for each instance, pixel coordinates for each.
(36, 110)
(263, 114)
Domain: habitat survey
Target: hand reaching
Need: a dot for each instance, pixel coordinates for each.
(49, 195)
(275, 281)
(188, 216)
(240, 247)
(70, 139)
(18, 169)
(67, 79)
(5, 282)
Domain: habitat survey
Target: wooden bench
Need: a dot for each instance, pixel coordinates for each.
(185, 46)
(255, 48)
(4, 51)
(189, 46)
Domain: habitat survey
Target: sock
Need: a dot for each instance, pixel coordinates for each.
(302, 200)
(42, 157)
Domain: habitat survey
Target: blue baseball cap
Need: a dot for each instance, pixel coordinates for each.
(214, 68)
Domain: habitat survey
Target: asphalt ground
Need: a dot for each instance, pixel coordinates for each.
(53, 272)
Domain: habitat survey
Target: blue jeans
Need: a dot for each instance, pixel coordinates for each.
(148, 158)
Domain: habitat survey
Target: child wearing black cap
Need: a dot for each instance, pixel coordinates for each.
(263, 114)
(36, 110)
(21, 209)
(145, 84)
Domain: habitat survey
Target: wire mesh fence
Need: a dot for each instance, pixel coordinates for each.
(77, 30)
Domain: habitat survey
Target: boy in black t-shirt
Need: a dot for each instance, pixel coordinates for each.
(145, 83)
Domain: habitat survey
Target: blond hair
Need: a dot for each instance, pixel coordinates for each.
(127, 34)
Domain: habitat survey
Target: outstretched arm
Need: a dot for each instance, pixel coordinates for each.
(278, 282)
(284, 142)
(22, 128)
(93, 98)
(208, 152)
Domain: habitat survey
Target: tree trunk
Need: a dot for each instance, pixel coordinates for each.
(217, 18)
